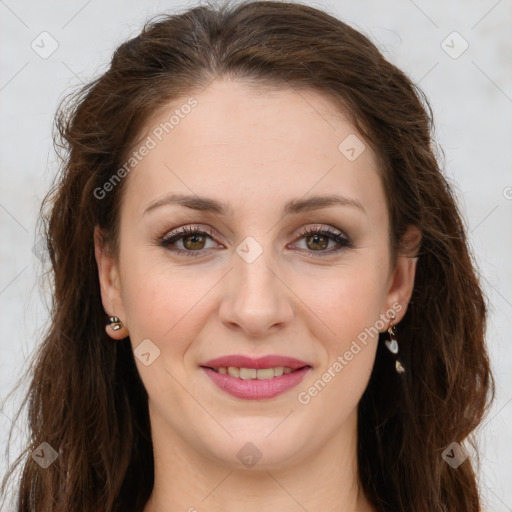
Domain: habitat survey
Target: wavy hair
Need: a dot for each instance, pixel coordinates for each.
(86, 399)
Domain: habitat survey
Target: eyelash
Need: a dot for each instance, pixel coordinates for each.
(343, 241)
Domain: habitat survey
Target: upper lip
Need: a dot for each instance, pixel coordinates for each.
(269, 361)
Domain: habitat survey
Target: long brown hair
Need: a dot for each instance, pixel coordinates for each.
(86, 399)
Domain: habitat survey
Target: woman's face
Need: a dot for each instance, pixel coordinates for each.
(275, 270)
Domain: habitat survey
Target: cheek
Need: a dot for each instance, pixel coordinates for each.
(165, 303)
(344, 308)
(349, 305)
(347, 299)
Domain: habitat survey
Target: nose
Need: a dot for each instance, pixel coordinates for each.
(256, 299)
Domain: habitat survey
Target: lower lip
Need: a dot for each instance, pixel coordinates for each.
(255, 389)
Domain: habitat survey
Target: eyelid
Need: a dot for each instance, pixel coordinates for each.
(187, 228)
(314, 228)
(305, 230)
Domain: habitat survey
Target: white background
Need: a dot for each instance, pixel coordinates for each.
(472, 101)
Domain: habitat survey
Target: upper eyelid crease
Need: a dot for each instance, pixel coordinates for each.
(293, 206)
(185, 230)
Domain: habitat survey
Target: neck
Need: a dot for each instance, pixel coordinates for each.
(323, 479)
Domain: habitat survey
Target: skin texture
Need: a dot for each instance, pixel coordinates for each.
(254, 151)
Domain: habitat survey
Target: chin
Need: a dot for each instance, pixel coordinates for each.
(258, 450)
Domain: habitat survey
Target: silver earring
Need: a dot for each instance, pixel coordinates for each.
(392, 345)
(114, 323)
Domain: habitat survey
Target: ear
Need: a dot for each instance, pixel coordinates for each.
(108, 273)
(401, 280)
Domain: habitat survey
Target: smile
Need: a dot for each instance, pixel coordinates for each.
(254, 373)
(255, 384)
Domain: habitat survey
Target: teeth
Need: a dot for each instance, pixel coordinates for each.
(253, 373)
(234, 372)
(278, 371)
(248, 373)
(264, 373)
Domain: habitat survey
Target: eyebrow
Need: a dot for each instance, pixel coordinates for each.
(294, 206)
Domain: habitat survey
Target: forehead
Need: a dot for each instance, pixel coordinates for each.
(252, 146)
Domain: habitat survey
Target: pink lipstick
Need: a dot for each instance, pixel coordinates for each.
(255, 378)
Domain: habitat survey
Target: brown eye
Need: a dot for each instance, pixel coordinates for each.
(194, 242)
(316, 239)
(317, 242)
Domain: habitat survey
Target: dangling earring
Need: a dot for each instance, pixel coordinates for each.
(392, 344)
(114, 323)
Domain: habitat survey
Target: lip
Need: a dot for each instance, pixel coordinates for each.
(255, 389)
(269, 361)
